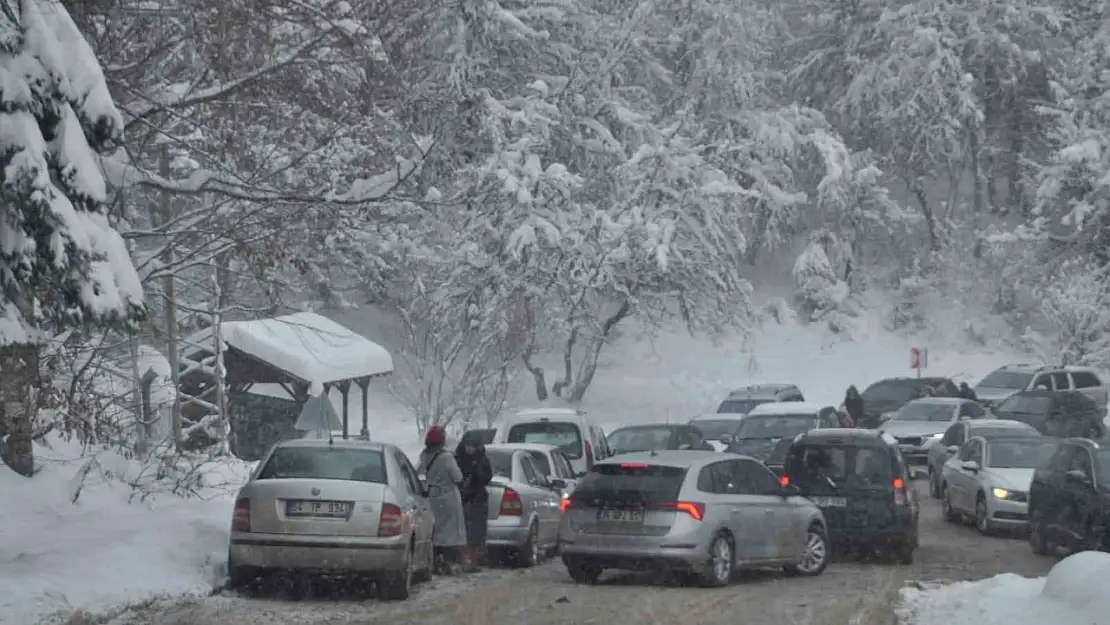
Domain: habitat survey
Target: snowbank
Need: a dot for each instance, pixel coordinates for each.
(103, 551)
(1072, 594)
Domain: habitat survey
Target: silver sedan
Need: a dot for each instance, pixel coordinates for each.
(524, 506)
(696, 513)
(346, 506)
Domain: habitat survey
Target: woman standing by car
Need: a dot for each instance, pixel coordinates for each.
(477, 473)
(444, 478)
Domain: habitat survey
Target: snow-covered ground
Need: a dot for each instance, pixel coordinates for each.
(1073, 593)
(104, 551)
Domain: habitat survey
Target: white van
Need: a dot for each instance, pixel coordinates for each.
(570, 430)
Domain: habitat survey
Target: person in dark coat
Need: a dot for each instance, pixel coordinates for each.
(967, 392)
(477, 473)
(853, 405)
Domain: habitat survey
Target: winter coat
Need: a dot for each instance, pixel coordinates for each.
(967, 392)
(443, 476)
(853, 405)
(477, 472)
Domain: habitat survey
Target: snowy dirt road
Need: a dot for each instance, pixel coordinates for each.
(545, 595)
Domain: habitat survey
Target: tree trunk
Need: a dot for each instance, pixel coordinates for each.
(588, 369)
(927, 211)
(18, 386)
(169, 286)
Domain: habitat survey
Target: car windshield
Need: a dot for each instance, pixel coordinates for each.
(1020, 454)
(627, 440)
(563, 435)
(925, 411)
(325, 463)
(784, 426)
(892, 391)
(501, 462)
(1102, 456)
(631, 481)
(740, 406)
(1007, 379)
(837, 468)
(714, 429)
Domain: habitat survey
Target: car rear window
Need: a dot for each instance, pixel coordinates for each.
(891, 391)
(714, 429)
(740, 406)
(1012, 380)
(835, 468)
(325, 463)
(785, 426)
(563, 435)
(641, 483)
(627, 440)
(501, 462)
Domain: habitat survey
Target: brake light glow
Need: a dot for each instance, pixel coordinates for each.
(634, 465)
(900, 498)
(565, 505)
(511, 505)
(695, 509)
(390, 521)
(241, 521)
(784, 481)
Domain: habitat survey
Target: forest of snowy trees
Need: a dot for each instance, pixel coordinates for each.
(527, 177)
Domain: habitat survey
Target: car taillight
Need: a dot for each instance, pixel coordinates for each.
(589, 455)
(695, 509)
(566, 504)
(390, 521)
(784, 481)
(511, 505)
(900, 498)
(241, 521)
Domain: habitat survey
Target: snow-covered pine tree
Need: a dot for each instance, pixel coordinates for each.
(62, 265)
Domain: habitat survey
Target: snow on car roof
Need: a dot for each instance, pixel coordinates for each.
(787, 408)
(939, 400)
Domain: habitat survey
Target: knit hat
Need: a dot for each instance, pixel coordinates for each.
(435, 436)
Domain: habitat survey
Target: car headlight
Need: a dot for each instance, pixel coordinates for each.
(937, 436)
(1000, 493)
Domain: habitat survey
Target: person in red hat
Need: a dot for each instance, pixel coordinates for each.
(443, 477)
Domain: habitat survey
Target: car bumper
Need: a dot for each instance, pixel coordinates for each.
(1005, 513)
(325, 554)
(506, 534)
(675, 551)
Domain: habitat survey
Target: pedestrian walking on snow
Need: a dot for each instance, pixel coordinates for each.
(477, 473)
(967, 392)
(444, 478)
(853, 405)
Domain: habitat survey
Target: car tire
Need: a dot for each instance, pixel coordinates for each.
(427, 568)
(817, 549)
(529, 554)
(722, 560)
(240, 577)
(399, 586)
(934, 484)
(982, 516)
(903, 552)
(582, 572)
(950, 515)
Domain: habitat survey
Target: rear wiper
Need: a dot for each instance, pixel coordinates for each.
(831, 482)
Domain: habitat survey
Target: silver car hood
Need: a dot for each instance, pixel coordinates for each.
(914, 428)
(1010, 479)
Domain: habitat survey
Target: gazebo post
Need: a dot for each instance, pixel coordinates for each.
(345, 389)
(364, 384)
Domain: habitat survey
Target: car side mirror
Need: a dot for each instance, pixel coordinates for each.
(970, 465)
(726, 439)
(557, 483)
(1075, 476)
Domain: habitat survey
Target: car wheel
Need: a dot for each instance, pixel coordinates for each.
(949, 513)
(982, 516)
(582, 572)
(399, 586)
(427, 567)
(934, 484)
(903, 552)
(240, 577)
(815, 557)
(529, 553)
(722, 557)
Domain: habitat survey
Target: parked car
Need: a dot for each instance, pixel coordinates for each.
(887, 396)
(635, 438)
(741, 401)
(767, 431)
(551, 461)
(860, 481)
(1055, 413)
(1069, 500)
(989, 480)
(342, 506)
(716, 428)
(524, 507)
(484, 435)
(920, 424)
(962, 431)
(697, 513)
(570, 430)
(1005, 381)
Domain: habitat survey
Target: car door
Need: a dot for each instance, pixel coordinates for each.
(788, 535)
(756, 506)
(960, 480)
(1048, 494)
(419, 509)
(544, 500)
(745, 518)
(1079, 497)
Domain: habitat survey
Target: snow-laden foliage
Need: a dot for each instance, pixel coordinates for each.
(1076, 307)
(820, 290)
(61, 261)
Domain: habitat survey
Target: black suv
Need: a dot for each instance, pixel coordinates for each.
(892, 393)
(1064, 414)
(1069, 500)
(860, 481)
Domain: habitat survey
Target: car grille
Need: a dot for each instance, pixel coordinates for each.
(909, 440)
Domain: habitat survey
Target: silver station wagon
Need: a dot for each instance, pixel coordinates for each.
(333, 507)
(700, 514)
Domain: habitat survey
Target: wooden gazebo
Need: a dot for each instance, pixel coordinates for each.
(296, 351)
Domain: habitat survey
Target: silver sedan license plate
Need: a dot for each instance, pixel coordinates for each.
(325, 509)
(830, 502)
(609, 515)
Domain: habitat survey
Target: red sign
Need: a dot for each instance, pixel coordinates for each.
(919, 358)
